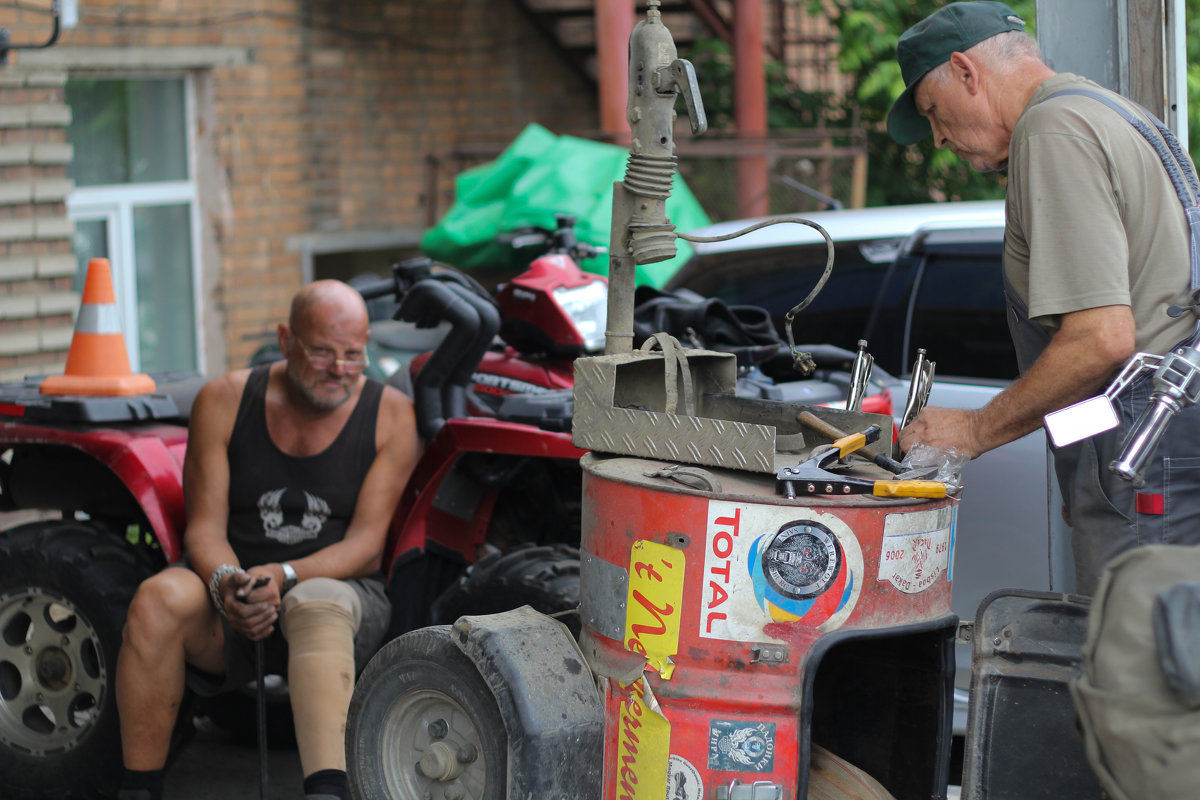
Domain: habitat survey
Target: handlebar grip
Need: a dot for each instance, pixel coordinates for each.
(379, 288)
(1142, 440)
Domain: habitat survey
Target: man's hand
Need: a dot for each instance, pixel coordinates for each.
(944, 428)
(251, 603)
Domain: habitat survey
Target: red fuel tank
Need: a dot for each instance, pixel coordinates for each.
(709, 601)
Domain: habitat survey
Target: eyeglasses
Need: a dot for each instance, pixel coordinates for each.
(324, 358)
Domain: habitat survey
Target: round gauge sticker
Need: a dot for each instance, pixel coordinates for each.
(802, 560)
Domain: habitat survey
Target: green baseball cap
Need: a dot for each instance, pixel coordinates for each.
(951, 29)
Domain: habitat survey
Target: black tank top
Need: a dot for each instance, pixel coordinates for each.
(284, 507)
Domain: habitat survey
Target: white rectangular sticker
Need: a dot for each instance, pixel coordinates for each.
(728, 596)
(917, 548)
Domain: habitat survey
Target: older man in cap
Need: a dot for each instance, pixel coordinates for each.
(1096, 253)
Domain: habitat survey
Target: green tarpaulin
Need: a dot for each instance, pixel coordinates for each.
(539, 175)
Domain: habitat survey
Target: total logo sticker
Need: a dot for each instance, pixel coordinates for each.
(683, 780)
(767, 564)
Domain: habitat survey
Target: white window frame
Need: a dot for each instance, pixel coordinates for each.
(115, 203)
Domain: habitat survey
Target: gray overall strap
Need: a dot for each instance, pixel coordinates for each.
(1183, 177)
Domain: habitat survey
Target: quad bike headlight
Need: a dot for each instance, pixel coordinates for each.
(587, 306)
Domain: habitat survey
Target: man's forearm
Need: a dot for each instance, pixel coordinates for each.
(1074, 366)
(206, 550)
(1090, 346)
(342, 560)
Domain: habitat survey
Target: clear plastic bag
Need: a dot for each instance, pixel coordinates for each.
(936, 464)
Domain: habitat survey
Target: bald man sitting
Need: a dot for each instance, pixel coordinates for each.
(292, 473)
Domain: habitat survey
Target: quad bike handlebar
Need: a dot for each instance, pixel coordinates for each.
(1176, 387)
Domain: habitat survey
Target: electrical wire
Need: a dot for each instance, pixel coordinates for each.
(803, 362)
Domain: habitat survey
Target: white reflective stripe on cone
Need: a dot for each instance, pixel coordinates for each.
(98, 318)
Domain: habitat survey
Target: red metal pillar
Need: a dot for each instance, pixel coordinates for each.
(614, 24)
(750, 105)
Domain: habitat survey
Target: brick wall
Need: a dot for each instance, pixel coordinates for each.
(36, 265)
(320, 128)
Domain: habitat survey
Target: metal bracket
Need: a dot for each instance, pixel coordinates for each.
(1136, 366)
(759, 790)
(5, 46)
(768, 654)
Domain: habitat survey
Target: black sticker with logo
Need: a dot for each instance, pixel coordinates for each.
(802, 560)
(738, 746)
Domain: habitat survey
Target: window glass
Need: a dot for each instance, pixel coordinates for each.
(960, 317)
(91, 241)
(778, 279)
(127, 131)
(166, 317)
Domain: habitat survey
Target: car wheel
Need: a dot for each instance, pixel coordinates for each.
(424, 725)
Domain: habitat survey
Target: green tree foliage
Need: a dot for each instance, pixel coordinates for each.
(1192, 34)
(787, 106)
(867, 34)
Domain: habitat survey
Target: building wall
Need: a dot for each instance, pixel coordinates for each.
(36, 264)
(314, 120)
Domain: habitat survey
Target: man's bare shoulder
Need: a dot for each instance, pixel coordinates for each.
(396, 417)
(217, 401)
(395, 406)
(224, 388)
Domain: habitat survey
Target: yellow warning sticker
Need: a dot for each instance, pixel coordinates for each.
(655, 596)
(643, 746)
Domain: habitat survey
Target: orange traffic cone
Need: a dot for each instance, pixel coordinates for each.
(97, 363)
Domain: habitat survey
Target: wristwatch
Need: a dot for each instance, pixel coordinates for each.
(289, 578)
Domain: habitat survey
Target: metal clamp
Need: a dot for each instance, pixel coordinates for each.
(860, 374)
(919, 388)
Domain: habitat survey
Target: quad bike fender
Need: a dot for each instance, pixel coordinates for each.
(437, 505)
(147, 461)
(548, 700)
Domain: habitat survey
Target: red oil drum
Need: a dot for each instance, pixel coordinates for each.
(708, 602)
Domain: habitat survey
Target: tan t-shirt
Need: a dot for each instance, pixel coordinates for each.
(1092, 218)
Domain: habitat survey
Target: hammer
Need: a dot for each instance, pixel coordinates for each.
(824, 428)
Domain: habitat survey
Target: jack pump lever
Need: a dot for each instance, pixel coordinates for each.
(657, 76)
(641, 232)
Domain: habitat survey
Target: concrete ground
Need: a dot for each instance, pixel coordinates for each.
(211, 767)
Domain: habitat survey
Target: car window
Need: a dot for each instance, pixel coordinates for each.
(778, 279)
(959, 316)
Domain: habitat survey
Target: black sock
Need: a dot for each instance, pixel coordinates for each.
(149, 781)
(326, 781)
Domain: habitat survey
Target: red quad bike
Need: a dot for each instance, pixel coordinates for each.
(497, 487)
